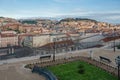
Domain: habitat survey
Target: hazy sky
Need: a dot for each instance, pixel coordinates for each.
(103, 10)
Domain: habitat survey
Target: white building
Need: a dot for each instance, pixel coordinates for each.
(37, 40)
(43, 39)
(8, 38)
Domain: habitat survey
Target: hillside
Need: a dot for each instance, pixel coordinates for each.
(64, 25)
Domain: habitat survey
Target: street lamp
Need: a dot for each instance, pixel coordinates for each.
(114, 39)
(117, 60)
(91, 54)
(54, 48)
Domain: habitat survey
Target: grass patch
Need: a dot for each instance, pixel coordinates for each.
(69, 71)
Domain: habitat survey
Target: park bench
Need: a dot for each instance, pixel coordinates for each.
(45, 57)
(46, 73)
(105, 59)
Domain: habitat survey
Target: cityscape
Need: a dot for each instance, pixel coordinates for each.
(59, 40)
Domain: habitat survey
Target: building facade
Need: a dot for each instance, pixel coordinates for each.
(8, 39)
(43, 39)
(36, 40)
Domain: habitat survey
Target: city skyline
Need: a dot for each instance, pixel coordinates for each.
(101, 10)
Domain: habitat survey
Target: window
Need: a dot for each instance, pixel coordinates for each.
(47, 53)
(42, 52)
(54, 39)
(57, 39)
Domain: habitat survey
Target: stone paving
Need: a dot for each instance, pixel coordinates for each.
(16, 71)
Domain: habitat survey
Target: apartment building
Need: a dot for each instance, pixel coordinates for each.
(43, 39)
(8, 39)
(36, 40)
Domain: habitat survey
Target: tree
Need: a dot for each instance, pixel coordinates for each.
(18, 31)
(118, 46)
(81, 69)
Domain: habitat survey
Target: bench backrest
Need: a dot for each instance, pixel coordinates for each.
(45, 56)
(105, 58)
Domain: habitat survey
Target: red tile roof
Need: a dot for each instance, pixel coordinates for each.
(8, 35)
(107, 39)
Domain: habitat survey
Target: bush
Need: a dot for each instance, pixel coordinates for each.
(81, 69)
(118, 46)
(80, 66)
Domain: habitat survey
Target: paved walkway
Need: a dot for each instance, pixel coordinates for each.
(17, 72)
(13, 70)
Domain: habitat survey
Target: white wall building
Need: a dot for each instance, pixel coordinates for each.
(37, 40)
(8, 38)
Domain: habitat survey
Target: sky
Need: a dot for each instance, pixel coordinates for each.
(101, 10)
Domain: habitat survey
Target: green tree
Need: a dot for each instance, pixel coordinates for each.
(81, 69)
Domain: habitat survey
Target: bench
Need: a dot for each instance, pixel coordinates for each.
(105, 59)
(46, 73)
(45, 56)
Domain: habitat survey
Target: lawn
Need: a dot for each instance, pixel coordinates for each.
(69, 71)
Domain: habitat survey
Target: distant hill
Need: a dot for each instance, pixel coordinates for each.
(66, 24)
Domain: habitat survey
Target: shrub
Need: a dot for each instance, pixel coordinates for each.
(118, 46)
(81, 69)
(80, 66)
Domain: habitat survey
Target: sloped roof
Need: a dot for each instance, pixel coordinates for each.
(59, 44)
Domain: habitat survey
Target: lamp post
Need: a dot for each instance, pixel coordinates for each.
(54, 48)
(114, 39)
(117, 60)
(91, 54)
